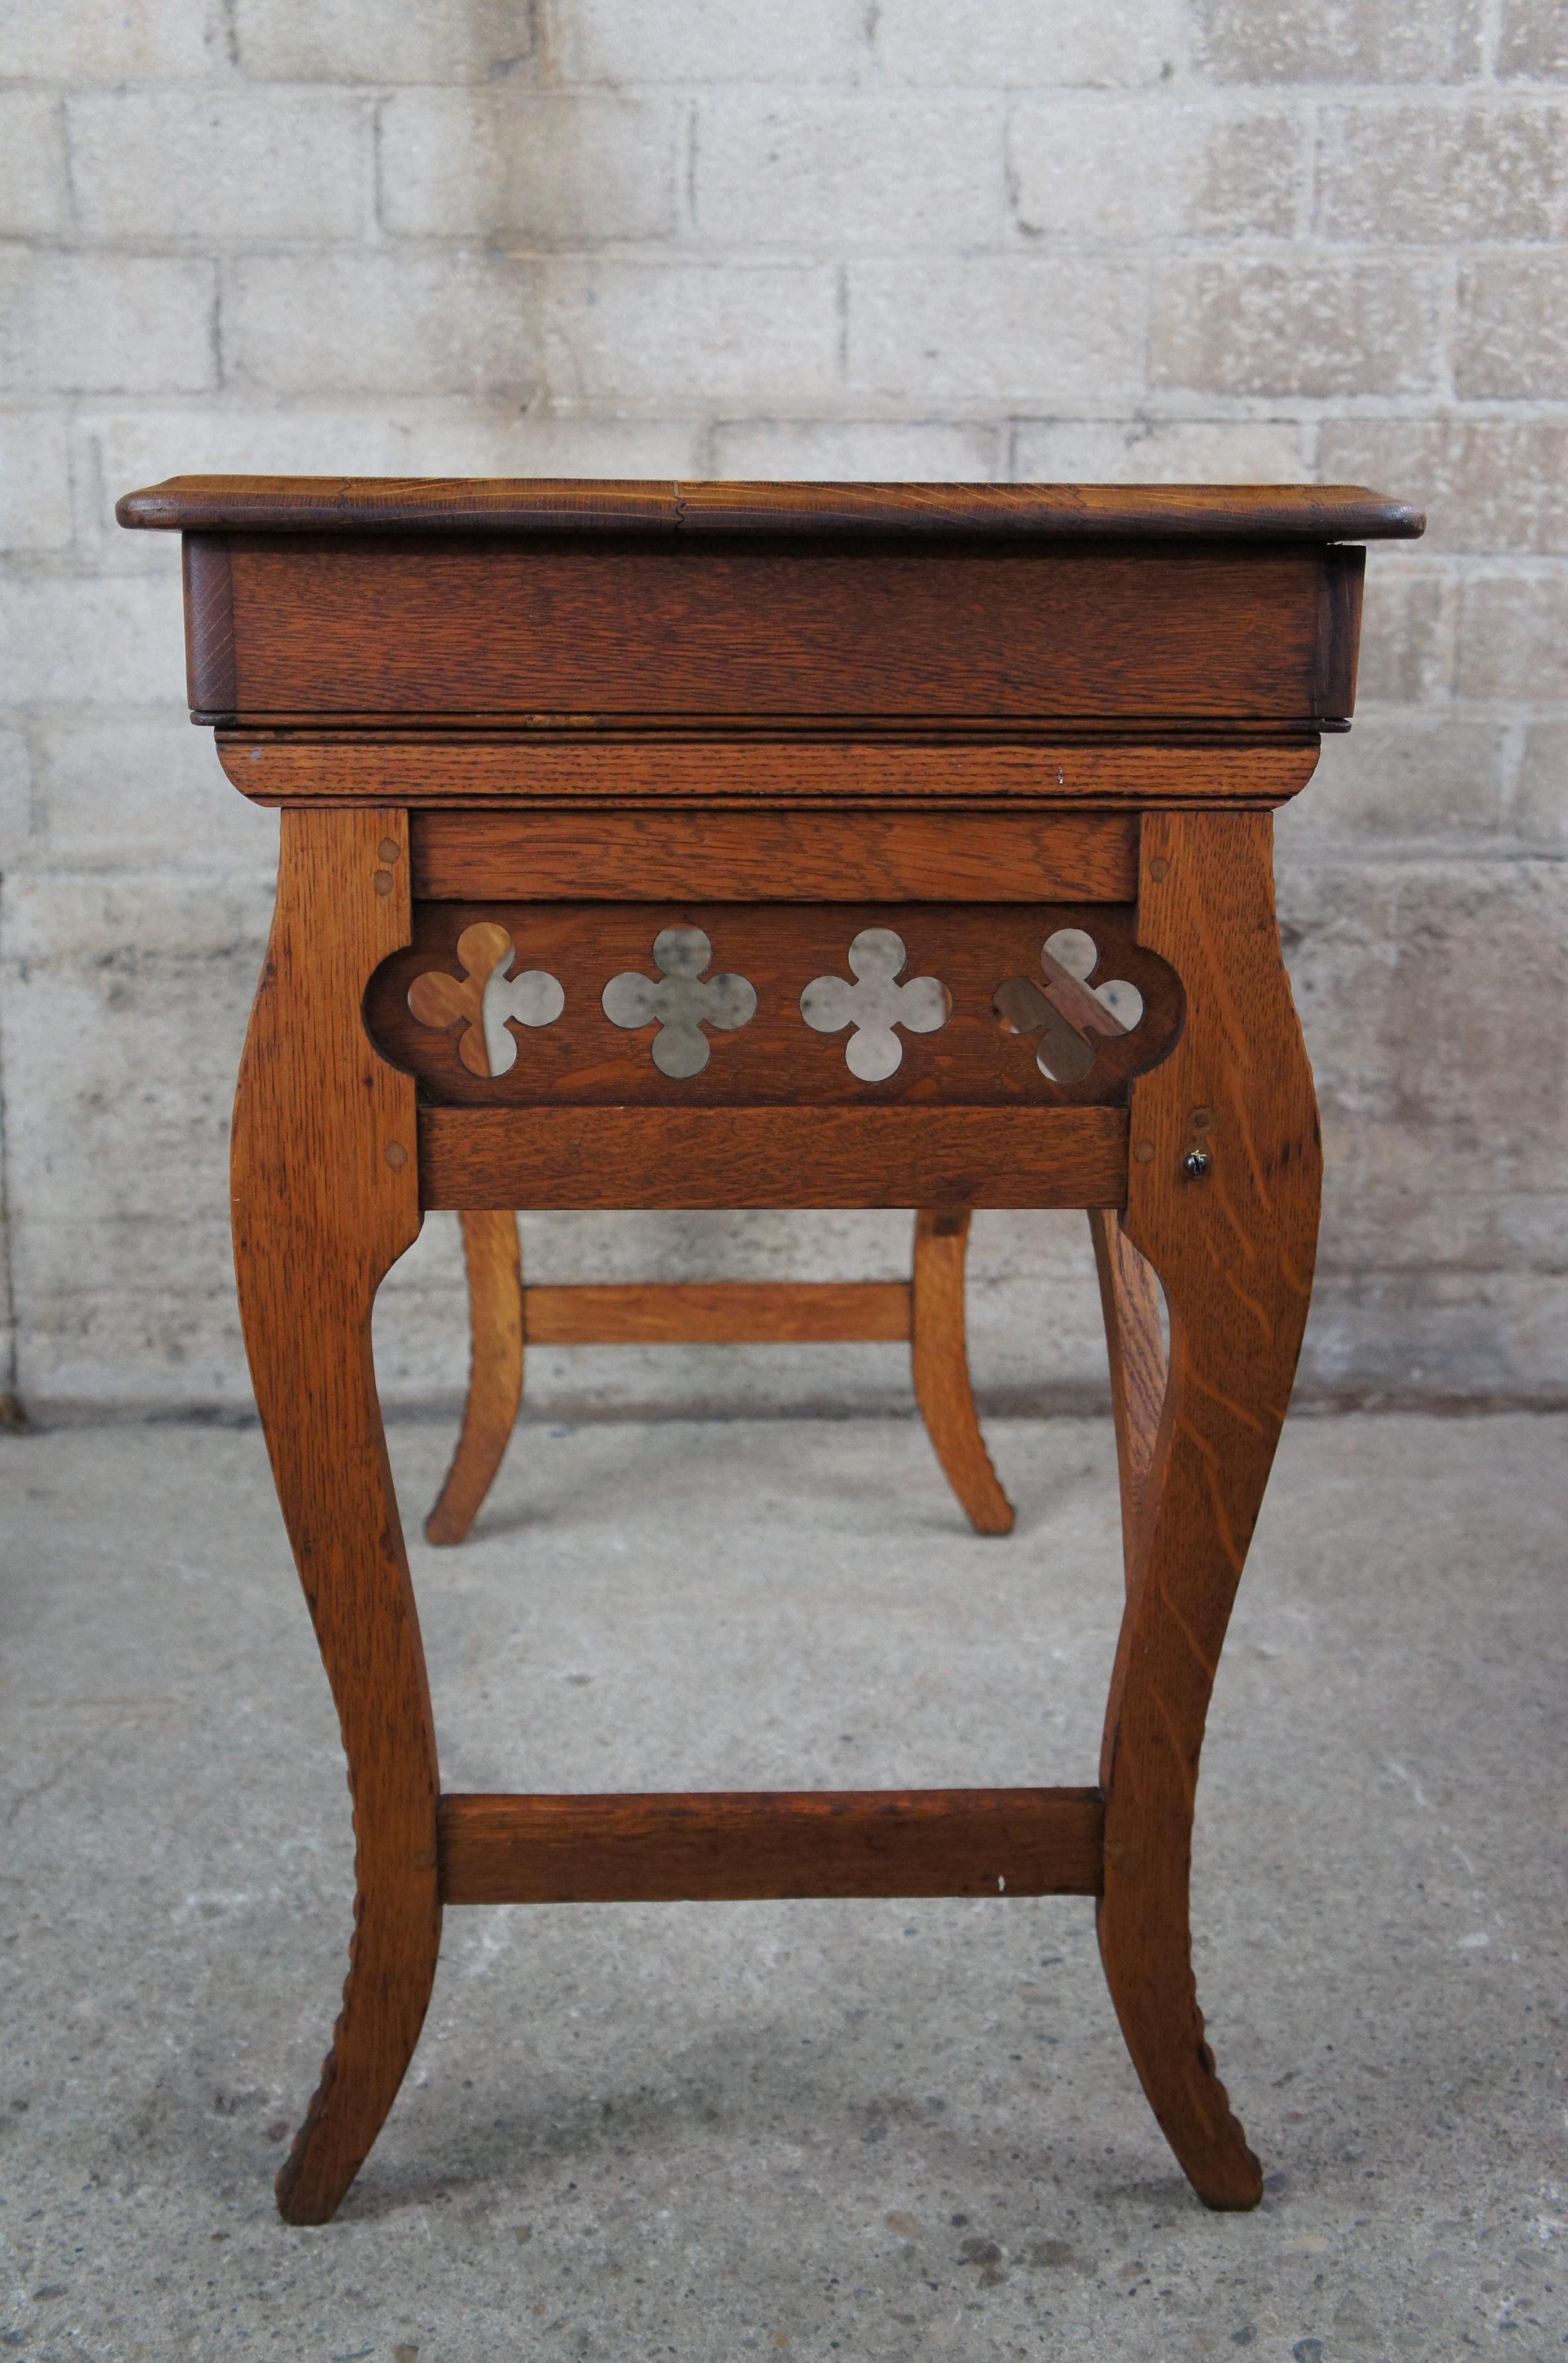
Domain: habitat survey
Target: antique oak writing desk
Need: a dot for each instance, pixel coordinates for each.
(717, 845)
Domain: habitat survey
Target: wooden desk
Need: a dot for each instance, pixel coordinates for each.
(725, 845)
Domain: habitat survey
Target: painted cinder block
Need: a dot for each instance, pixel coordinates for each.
(35, 480)
(15, 797)
(842, 450)
(202, 168)
(998, 329)
(130, 788)
(107, 323)
(381, 322)
(34, 198)
(815, 170)
(1439, 957)
(1355, 41)
(114, 41)
(1440, 172)
(1017, 44)
(1406, 777)
(1510, 339)
(1110, 170)
(1144, 450)
(130, 995)
(355, 41)
(1276, 326)
(556, 168)
(1513, 634)
(65, 638)
(1539, 808)
(1414, 1339)
(705, 332)
(1407, 633)
(128, 998)
(624, 41)
(1532, 40)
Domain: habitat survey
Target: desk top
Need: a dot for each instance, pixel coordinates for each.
(493, 505)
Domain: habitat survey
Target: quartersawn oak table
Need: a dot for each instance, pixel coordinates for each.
(724, 844)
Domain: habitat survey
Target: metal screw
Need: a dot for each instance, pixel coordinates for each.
(1195, 1164)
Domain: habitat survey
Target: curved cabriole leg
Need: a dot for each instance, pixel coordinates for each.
(1234, 1251)
(492, 1253)
(939, 1360)
(326, 1197)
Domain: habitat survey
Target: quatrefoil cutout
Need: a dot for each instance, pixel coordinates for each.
(680, 1002)
(485, 1000)
(875, 1004)
(1070, 1011)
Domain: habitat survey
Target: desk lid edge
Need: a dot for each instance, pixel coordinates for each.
(498, 505)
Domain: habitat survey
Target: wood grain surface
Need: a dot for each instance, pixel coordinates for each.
(325, 1200)
(748, 764)
(583, 1058)
(209, 625)
(492, 1257)
(587, 505)
(1134, 1338)
(1233, 1251)
(338, 624)
(535, 1157)
(717, 1313)
(802, 857)
(718, 1847)
(1129, 1298)
(939, 1361)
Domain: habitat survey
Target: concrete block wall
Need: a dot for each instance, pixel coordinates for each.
(1234, 240)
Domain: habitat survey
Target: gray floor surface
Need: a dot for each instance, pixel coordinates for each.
(869, 2130)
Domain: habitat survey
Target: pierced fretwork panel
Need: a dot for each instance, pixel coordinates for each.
(680, 1002)
(1071, 1015)
(875, 1005)
(765, 1003)
(485, 1002)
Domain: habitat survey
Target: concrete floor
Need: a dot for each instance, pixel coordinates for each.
(871, 2130)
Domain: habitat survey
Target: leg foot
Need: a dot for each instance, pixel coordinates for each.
(493, 1253)
(939, 1359)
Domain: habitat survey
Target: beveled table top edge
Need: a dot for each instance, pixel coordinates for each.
(500, 506)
